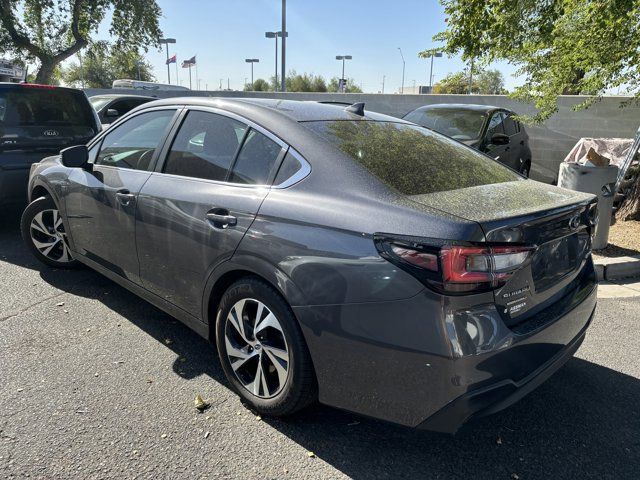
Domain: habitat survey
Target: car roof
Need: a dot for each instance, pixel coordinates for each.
(300, 111)
(36, 85)
(115, 95)
(462, 106)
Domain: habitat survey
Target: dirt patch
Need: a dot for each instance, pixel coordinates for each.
(624, 240)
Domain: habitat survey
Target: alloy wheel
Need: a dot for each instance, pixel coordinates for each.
(256, 348)
(49, 237)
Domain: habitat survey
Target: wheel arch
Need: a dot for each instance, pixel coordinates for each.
(246, 266)
(40, 189)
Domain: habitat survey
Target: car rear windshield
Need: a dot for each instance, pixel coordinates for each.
(455, 123)
(32, 106)
(412, 159)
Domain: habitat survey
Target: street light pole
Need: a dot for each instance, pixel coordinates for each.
(342, 79)
(403, 66)
(437, 54)
(252, 61)
(283, 88)
(276, 35)
(383, 77)
(167, 41)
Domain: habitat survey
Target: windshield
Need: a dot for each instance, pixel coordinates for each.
(455, 123)
(26, 106)
(98, 102)
(412, 159)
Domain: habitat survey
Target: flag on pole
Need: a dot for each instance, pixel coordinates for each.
(171, 60)
(189, 63)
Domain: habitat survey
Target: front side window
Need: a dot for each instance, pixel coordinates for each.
(256, 160)
(205, 146)
(411, 159)
(133, 143)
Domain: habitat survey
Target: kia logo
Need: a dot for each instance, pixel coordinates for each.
(574, 222)
(51, 133)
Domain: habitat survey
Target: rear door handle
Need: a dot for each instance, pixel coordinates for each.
(221, 218)
(125, 197)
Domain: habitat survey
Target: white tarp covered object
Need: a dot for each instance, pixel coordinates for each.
(615, 149)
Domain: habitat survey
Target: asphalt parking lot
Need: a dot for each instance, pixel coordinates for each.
(97, 383)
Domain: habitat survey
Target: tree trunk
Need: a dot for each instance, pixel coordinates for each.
(630, 208)
(45, 72)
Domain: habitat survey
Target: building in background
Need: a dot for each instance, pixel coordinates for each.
(10, 72)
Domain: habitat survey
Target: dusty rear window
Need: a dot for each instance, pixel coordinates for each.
(412, 159)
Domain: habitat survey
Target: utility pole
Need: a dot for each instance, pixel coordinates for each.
(251, 61)
(166, 42)
(438, 55)
(343, 81)
(403, 66)
(283, 32)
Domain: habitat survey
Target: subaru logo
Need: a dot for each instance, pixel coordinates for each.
(51, 133)
(574, 222)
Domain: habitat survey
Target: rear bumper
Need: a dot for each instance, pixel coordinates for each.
(404, 361)
(503, 394)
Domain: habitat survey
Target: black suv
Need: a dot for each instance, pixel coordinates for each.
(37, 121)
(492, 130)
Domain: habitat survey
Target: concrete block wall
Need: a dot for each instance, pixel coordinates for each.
(549, 142)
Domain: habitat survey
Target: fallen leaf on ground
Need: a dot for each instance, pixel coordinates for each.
(200, 403)
(164, 435)
(311, 455)
(59, 304)
(258, 417)
(168, 341)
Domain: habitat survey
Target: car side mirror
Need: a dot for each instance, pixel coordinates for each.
(75, 157)
(499, 139)
(111, 113)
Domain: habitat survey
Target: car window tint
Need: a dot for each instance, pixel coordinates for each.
(289, 167)
(205, 146)
(458, 123)
(510, 126)
(411, 159)
(256, 159)
(417, 116)
(133, 143)
(495, 125)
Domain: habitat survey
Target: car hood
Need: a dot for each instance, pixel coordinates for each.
(486, 203)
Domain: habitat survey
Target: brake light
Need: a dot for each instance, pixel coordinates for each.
(38, 85)
(454, 268)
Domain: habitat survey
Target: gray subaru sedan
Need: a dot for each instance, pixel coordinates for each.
(329, 253)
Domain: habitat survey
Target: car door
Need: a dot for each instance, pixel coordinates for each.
(498, 152)
(101, 203)
(194, 210)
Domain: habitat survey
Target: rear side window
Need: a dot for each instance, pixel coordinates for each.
(289, 167)
(411, 159)
(34, 106)
(133, 143)
(205, 146)
(256, 160)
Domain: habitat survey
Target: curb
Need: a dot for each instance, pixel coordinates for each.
(617, 268)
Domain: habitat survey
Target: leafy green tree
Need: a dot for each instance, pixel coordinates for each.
(489, 82)
(50, 31)
(334, 85)
(560, 47)
(486, 82)
(453, 83)
(259, 85)
(102, 64)
(305, 82)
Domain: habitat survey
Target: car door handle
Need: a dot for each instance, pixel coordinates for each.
(125, 197)
(222, 219)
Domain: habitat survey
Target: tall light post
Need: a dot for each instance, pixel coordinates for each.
(251, 61)
(383, 78)
(284, 35)
(342, 79)
(403, 66)
(275, 35)
(437, 55)
(167, 41)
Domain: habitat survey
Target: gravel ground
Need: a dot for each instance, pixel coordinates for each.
(624, 240)
(99, 384)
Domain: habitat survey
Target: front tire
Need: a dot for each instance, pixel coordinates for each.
(262, 350)
(44, 233)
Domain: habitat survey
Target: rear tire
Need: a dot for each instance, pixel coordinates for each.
(44, 233)
(262, 350)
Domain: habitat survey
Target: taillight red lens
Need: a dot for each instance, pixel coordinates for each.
(428, 261)
(474, 265)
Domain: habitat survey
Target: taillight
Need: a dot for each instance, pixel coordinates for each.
(454, 268)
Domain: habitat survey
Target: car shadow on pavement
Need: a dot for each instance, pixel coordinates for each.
(583, 422)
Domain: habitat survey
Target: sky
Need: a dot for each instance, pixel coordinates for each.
(222, 33)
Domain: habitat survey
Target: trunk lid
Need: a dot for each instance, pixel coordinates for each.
(553, 220)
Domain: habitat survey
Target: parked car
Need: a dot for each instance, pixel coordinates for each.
(111, 107)
(329, 253)
(492, 130)
(37, 121)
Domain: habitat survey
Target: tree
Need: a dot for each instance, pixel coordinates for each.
(334, 86)
(566, 47)
(259, 85)
(486, 82)
(305, 82)
(102, 64)
(489, 82)
(49, 32)
(453, 83)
